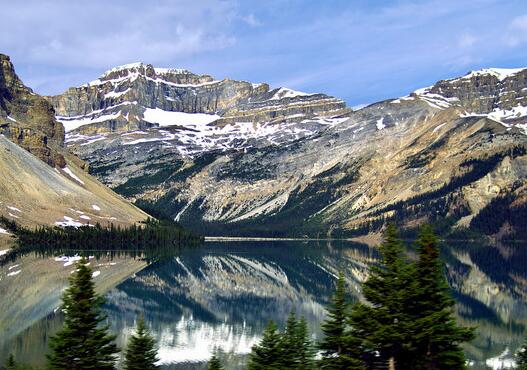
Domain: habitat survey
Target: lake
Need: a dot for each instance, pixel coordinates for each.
(223, 294)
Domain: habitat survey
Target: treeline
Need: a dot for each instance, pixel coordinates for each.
(151, 236)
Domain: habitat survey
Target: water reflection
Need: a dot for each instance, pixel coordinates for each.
(223, 294)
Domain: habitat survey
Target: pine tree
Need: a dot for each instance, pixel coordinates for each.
(214, 363)
(267, 355)
(10, 364)
(297, 349)
(306, 352)
(521, 358)
(82, 343)
(382, 327)
(337, 351)
(437, 337)
(141, 353)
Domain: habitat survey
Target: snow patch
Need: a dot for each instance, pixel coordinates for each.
(14, 273)
(68, 260)
(167, 118)
(95, 274)
(96, 207)
(500, 73)
(380, 125)
(284, 92)
(68, 221)
(72, 175)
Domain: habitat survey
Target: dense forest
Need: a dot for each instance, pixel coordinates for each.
(150, 238)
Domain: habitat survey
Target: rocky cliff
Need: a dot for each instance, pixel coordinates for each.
(236, 158)
(41, 182)
(28, 119)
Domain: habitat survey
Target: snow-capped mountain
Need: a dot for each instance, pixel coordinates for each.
(234, 157)
(191, 113)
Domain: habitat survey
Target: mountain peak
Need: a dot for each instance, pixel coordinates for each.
(142, 68)
(499, 73)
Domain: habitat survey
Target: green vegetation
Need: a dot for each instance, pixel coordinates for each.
(152, 238)
(406, 322)
(141, 353)
(84, 342)
(214, 363)
(291, 349)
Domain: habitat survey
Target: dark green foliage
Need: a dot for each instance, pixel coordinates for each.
(214, 363)
(267, 355)
(521, 358)
(437, 337)
(10, 363)
(83, 343)
(382, 326)
(290, 350)
(297, 349)
(499, 212)
(152, 236)
(334, 326)
(141, 353)
(337, 349)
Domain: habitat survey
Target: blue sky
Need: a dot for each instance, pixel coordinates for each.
(360, 51)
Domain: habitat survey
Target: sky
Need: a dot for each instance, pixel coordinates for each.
(359, 51)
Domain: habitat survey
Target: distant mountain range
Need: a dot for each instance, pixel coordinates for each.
(237, 158)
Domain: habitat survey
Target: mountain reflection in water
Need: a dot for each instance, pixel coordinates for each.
(223, 294)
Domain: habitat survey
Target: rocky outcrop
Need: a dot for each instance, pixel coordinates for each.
(28, 119)
(438, 153)
(139, 96)
(41, 182)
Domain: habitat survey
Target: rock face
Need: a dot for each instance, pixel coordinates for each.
(139, 96)
(41, 182)
(235, 158)
(28, 119)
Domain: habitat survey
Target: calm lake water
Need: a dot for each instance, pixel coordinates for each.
(223, 294)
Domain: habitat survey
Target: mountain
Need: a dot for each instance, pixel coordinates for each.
(231, 157)
(42, 182)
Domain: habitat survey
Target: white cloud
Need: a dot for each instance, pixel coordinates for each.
(467, 41)
(251, 20)
(517, 33)
(101, 34)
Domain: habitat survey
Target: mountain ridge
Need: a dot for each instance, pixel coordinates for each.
(321, 169)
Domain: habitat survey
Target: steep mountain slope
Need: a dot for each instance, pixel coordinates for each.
(41, 182)
(443, 152)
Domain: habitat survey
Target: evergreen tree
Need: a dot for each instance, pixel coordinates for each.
(437, 337)
(82, 343)
(521, 358)
(267, 355)
(382, 327)
(297, 349)
(141, 353)
(10, 364)
(337, 350)
(214, 363)
(306, 352)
